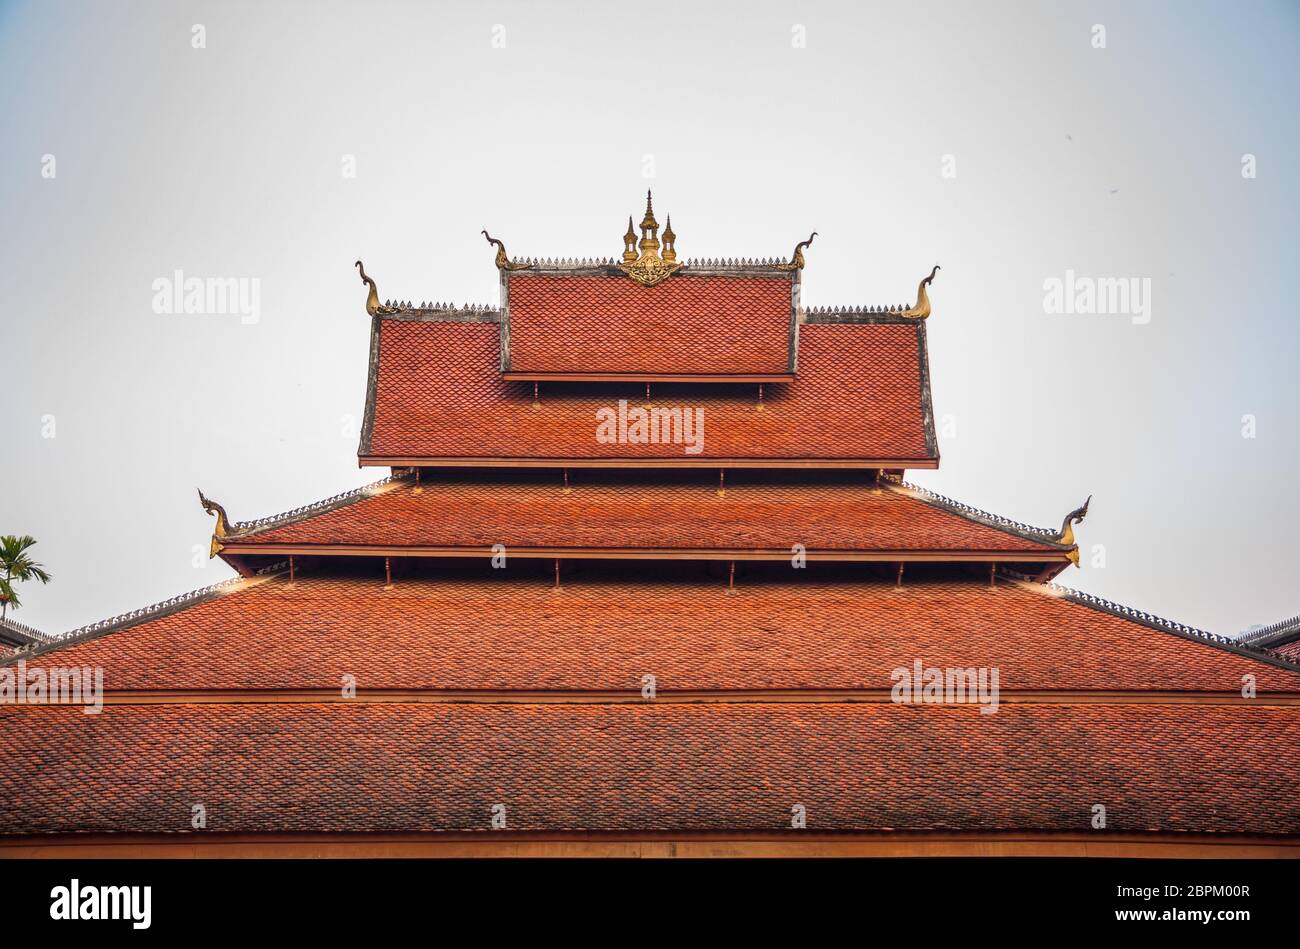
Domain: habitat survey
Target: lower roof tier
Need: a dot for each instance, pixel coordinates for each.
(655, 767)
(861, 397)
(509, 629)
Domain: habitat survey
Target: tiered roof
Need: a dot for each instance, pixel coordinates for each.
(502, 603)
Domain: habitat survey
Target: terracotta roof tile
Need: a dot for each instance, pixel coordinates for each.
(750, 516)
(699, 325)
(859, 394)
(513, 632)
(679, 767)
(1290, 650)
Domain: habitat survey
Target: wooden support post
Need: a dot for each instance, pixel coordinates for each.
(722, 481)
(291, 568)
(566, 480)
(760, 396)
(557, 573)
(993, 574)
(536, 400)
(647, 395)
(731, 579)
(898, 579)
(388, 572)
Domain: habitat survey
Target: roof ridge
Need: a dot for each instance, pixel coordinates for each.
(316, 507)
(1153, 621)
(162, 607)
(559, 263)
(22, 629)
(975, 513)
(859, 310)
(443, 306)
(1283, 627)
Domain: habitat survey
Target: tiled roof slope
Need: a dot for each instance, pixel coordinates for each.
(503, 632)
(841, 517)
(860, 393)
(679, 767)
(711, 325)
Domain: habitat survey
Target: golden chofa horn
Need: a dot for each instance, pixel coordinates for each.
(922, 309)
(503, 259)
(222, 528)
(373, 306)
(796, 258)
(1066, 536)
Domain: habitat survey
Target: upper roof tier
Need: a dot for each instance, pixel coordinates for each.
(844, 388)
(593, 326)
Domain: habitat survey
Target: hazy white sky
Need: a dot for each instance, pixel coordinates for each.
(540, 122)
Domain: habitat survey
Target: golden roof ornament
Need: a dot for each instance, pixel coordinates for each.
(373, 306)
(922, 308)
(649, 268)
(796, 259)
(670, 243)
(1066, 537)
(629, 242)
(222, 529)
(503, 259)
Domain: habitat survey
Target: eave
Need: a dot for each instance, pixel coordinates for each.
(426, 461)
(652, 553)
(511, 376)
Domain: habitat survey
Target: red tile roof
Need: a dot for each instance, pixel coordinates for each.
(712, 325)
(669, 767)
(747, 516)
(1290, 650)
(860, 394)
(514, 632)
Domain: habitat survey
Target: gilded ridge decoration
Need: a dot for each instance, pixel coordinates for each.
(503, 259)
(796, 261)
(1066, 536)
(222, 530)
(373, 306)
(922, 308)
(649, 267)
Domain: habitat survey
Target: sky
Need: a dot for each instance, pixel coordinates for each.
(1015, 144)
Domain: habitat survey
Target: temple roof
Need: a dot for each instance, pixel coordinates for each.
(861, 398)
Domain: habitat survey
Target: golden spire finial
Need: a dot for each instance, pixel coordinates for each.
(629, 242)
(649, 230)
(670, 242)
(922, 308)
(1066, 537)
(649, 268)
